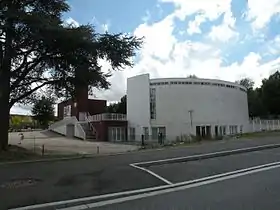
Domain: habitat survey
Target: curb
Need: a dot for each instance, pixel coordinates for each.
(206, 156)
(67, 158)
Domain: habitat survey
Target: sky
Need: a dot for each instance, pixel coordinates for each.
(219, 39)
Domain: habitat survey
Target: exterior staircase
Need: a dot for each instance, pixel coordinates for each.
(90, 136)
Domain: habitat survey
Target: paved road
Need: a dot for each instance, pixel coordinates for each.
(94, 176)
(179, 172)
(257, 191)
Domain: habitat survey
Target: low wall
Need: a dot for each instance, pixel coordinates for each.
(60, 127)
(257, 125)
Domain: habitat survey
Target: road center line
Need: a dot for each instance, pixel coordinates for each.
(222, 177)
(152, 173)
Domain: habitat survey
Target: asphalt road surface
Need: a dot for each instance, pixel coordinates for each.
(257, 191)
(64, 180)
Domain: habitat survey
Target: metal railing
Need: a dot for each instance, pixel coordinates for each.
(107, 117)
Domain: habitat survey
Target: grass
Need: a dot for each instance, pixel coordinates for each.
(17, 153)
(260, 134)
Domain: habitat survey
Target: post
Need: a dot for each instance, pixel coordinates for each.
(191, 119)
(97, 149)
(34, 144)
(142, 140)
(43, 150)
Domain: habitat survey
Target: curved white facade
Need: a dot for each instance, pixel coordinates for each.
(185, 106)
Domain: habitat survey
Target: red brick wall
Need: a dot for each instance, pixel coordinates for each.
(96, 106)
(92, 106)
(60, 108)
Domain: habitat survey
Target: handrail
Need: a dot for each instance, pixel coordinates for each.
(107, 116)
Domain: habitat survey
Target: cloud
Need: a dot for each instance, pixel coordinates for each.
(225, 31)
(71, 22)
(159, 40)
(105, 27)
(210, 9)
(260, 12)
(194, 26)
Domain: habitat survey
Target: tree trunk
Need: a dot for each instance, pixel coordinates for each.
(5, 77)
(4, 119)
(4, 103)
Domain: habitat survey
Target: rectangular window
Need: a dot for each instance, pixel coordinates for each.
(153, 103)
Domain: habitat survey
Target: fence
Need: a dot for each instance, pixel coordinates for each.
(258, 125)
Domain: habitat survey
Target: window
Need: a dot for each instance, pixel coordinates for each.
(153, 103)
(67, 111)
(179, 83)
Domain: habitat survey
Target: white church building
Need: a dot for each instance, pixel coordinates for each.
(184, 106)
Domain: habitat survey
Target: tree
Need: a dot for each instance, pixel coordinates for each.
(255, 102)
(119, 107)
(247, 83)
(271, 94)
(38, 50)
(192, 76)
(43, 111)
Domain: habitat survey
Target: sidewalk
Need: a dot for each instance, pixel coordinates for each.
(56, 144)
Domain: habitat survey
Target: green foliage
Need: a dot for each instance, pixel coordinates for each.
(119, 107)
(263, 101)
(43, 111)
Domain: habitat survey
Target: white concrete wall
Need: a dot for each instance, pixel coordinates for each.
(138, 103)
(211, 105)
(60, 127)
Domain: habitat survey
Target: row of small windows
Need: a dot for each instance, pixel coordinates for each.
(196, 83)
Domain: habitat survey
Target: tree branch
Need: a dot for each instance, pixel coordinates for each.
(15, 100)
(24, 72)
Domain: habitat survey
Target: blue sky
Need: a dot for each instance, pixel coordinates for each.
(224, 39)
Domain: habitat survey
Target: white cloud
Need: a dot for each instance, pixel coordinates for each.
(159, 39)
(147, 16)
(225, 31)
(71, 22)
(210, 9)
(105, 27)
(260, 12)
(194, 26)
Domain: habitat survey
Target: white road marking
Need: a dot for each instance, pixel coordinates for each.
(152, 173)
(234, 174)
(206, 154)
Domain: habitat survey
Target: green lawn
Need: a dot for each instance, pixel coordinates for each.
(17, 153)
